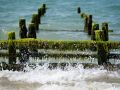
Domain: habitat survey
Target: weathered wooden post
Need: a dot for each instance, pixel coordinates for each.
(32, 31)
(102, 48)
(35, 20)
(85, 23)
(39, 15)
(11, 48)
(94, 27)
(23, 29)
(44, 8)
(23, 34)
(89, 24)
(32, 34)
(105, 30)
(78, 10)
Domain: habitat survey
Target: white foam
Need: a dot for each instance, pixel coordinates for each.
(69, 79)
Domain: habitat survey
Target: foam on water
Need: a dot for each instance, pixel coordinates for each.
(72, 78)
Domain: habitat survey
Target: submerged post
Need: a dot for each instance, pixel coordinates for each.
(94, 27)
(102, 48)
(89, 24)
(78, 10)
(23, 29)
(11, 48)
(35, 20)
(105, 30)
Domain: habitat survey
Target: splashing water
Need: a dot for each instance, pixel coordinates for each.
(71, 78)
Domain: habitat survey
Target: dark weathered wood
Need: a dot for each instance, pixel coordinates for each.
(89, 24)
(78, 10)
(36, 21)
(23, 29)
(32, 31)
(105, 29)
(102, 54)
(39, 15)
(44, 8)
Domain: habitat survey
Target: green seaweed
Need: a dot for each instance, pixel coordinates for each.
(59, 44)
(99, 35)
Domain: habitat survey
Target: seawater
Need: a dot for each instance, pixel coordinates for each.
(71, 78)
(60, 23)
(61, 15)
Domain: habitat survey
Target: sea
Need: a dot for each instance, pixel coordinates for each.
(60, 22)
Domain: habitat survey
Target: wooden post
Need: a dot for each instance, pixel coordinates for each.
(32, 31)
(11, 48)
(23, 29)
(78, 10)
(89, 24)
(94, 27)
(44, 8)
(102, 51)
(39, 15)
(85, 23)
(35, 20)
(102, 48)
(105, 30)
(99, 35)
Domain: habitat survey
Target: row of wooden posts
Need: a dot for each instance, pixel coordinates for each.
(33, 26)
(96, 34)
(93, 28)
(90, 27)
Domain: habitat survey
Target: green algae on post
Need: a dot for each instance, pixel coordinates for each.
(99, 35)
(11, 48)
(11, 35)
(85, 24)
(94, 27)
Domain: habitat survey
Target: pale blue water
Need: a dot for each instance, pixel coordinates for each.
(61, 15)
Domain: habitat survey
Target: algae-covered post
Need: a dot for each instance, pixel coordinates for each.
(102, 48)
(23, 29)
(32, 31)
(86, 23)
(89, 24)
(99, 35)
(102, 52)
(36, 21)
(94, 27)
(11, 48)
(78, 10)
(105, 30)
